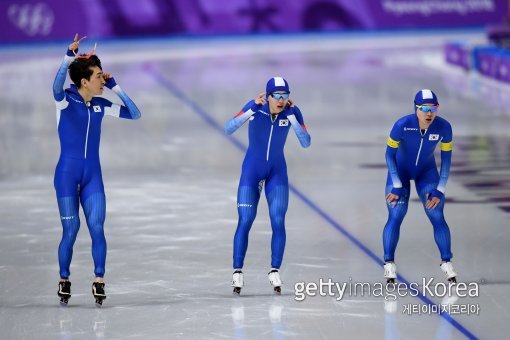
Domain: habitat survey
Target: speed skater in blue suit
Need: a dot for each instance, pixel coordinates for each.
(270, 116)
(410, 156)
(78, 177)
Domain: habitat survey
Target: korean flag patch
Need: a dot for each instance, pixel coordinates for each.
(433, 137)
(97, 108)
(283, 122)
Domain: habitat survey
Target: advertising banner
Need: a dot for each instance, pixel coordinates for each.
(49, 20)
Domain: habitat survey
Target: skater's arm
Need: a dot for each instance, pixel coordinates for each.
(437, 194)
(129, 110)
(242, 117)
(60, 78)
(397, 189)
(296, 120)
(391, 162)
(446, 161)
(391, 156)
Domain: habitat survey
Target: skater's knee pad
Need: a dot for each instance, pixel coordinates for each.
(278, 222)
(247, 200)
(95, 221)
(95, 213)
(97, 233)
(435, 215)
(278, 199)
(68, 210)
(398, 212)
(247, 215)
(70, 225)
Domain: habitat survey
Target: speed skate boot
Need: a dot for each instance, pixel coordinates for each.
(448, 271)
(275, 280)
(64, 292)
(237, 281)
(98, 292)
(390, 272)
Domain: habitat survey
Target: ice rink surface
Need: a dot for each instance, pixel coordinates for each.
(171, 182)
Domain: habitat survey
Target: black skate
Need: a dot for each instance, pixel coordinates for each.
(98, 292)
(390, 281)
(452, 280)
(64, 292)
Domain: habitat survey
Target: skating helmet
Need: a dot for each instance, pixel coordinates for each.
(277, 84)
(425, 96)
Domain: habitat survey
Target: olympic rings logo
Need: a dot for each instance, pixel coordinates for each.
(33, 19)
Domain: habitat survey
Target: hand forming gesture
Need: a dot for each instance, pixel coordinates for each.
(261, 99)
(76, 43)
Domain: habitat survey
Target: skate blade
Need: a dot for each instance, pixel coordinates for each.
(237, 291)
(278, 290)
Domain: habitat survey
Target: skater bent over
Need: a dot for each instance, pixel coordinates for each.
(78, 176)
(410, 156)
(271, 114)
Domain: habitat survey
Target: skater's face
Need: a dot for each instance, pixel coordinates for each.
(277, 101)
(95, 85)
(426, 114)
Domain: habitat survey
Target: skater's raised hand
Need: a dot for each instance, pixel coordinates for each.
(76, 42)
(261, 99)
(110, 82)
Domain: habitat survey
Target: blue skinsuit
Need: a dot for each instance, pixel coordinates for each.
(410, 156)
(265, 162)
(78, 173)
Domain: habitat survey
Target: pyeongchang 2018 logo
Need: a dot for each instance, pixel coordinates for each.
(33, 19)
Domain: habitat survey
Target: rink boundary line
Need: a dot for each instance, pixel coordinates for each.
(168, 85)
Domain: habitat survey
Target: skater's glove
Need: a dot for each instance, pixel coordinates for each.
(255, 107)
(436, 193)
(397, 191)
(110, 83)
